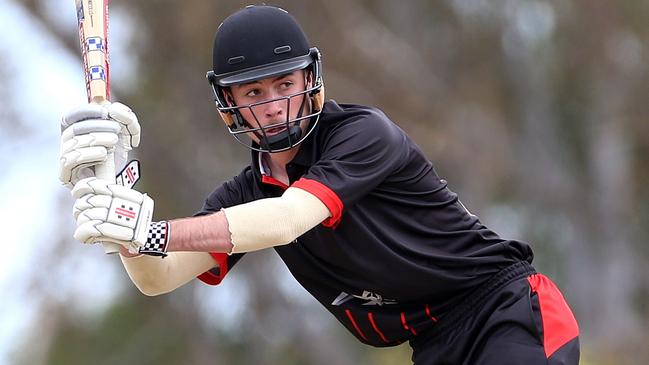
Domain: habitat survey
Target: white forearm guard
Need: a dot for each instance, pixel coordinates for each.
(155, 276)
(274, 221)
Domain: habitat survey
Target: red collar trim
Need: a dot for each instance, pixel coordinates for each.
(273, 181)
(266, 177)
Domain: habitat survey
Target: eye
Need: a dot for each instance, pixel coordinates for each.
(286, 84)
(253, 92)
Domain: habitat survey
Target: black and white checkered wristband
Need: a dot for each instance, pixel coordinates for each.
(156, 242)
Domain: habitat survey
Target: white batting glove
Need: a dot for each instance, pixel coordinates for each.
(90, 132)
(107, 212)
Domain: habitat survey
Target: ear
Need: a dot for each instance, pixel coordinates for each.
(317, 97)
(228, 118)
(228, 97)
(308, 79)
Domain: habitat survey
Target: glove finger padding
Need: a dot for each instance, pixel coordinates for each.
(102, 187)
(118, 112)
(90, 201)
(75, 165)
(130, 132)
(84, 112)
(106, 212)
(99, 231)
(130, 126)
(92, 214)
(90, 126)
(110, 127)
(82, 152)
(95, 139)
(91, 185)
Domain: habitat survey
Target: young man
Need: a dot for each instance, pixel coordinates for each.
(346, 199)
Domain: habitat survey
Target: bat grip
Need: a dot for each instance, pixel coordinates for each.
(106, 171)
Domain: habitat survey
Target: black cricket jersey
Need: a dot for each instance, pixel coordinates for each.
(399, 250)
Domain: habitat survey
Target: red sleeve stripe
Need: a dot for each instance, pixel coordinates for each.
(405, 324)
(327, 196)
(358, 330)
(370, 316)
(209, 277)
(559, 324)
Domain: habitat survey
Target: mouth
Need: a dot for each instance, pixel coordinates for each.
(275, 130)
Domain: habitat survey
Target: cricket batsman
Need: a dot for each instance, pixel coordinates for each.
(346, 199)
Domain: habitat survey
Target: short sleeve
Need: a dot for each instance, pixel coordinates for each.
(357, 156)
(217, 274)
(232, 192)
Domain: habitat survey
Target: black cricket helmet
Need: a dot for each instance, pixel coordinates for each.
(255, 43)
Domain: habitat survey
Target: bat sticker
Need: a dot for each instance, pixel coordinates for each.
(95, 44)
(129, 175)
(97, 73)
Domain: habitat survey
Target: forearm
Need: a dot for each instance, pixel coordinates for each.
(252, 226)
(248, 227)
(209, 233)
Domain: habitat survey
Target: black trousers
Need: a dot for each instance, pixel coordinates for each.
(524, 321)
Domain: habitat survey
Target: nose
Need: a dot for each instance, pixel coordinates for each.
(274, 109)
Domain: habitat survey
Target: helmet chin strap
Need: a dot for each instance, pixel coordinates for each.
(286, 138)
(281, 140)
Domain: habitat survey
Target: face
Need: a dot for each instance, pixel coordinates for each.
(274, 112)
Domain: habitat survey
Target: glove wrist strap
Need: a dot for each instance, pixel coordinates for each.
(157, 239)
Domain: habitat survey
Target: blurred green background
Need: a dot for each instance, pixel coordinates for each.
(535, 111)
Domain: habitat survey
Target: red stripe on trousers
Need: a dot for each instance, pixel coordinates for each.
(351, 318)
(405, 324)
(559, 324)
(434, 319)
(370, 316)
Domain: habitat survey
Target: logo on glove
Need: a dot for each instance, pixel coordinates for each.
(128, 214)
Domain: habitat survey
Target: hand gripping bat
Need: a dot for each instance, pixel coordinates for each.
(92, 16)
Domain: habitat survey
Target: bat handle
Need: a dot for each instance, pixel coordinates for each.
(106, 171)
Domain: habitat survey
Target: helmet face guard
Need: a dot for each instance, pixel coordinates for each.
(292, 132)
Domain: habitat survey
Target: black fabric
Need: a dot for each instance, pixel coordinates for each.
(405, 250)
(504, 329)
(568, 354)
